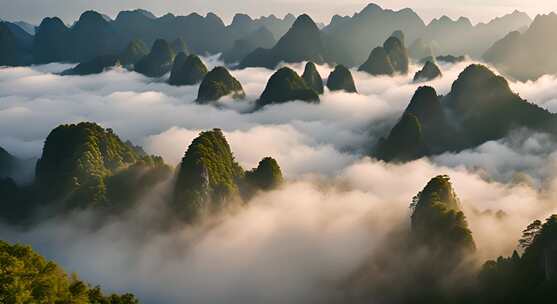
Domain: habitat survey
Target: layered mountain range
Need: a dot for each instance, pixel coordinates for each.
(480, 107)
(260, 42)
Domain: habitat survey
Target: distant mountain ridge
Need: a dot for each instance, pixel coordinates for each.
(345, 40)
(480, 107)
(527, 55)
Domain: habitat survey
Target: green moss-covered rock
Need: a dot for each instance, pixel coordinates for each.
(27, 277)
(312, 78)
(341, 79)
(208, 176)
(378, 63)
(187, 70)
(439, 226)
(285, 85)
(437, 220)
(158, 62)
(219, 83)
(76, 161)
(209, 179)
(95, 66)
(429, 72)
(266, 176)
(134, 52)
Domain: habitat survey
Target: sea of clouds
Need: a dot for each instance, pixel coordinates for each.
(297, 244)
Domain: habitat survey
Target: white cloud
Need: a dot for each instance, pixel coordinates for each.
(291, 245)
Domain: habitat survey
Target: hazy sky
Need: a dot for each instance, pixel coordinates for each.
(320, 10)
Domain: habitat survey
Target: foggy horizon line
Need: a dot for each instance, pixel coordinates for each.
(227, 20)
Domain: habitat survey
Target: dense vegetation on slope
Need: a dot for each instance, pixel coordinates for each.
(158, 62)
(429, 72)
(530, 278)
(135, 50)
(442, 243)
(341, 79)
(391, 58)
(285, 85)
(78, 159)
(438, 222)
(312, 78)
(219, 83)
(482, 107)
(187, 70)
(210, 180)
(27, 277)
(266, 176)
(208, 175)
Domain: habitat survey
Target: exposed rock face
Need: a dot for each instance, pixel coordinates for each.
(312, 78)
(187, 70)
(302, 42)
(429, 72)
(95, 66)
(219, 83)
(133, 53)
(285, 85)
(210, 181)
(193, 192)
(341, 79)
(158, 62)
